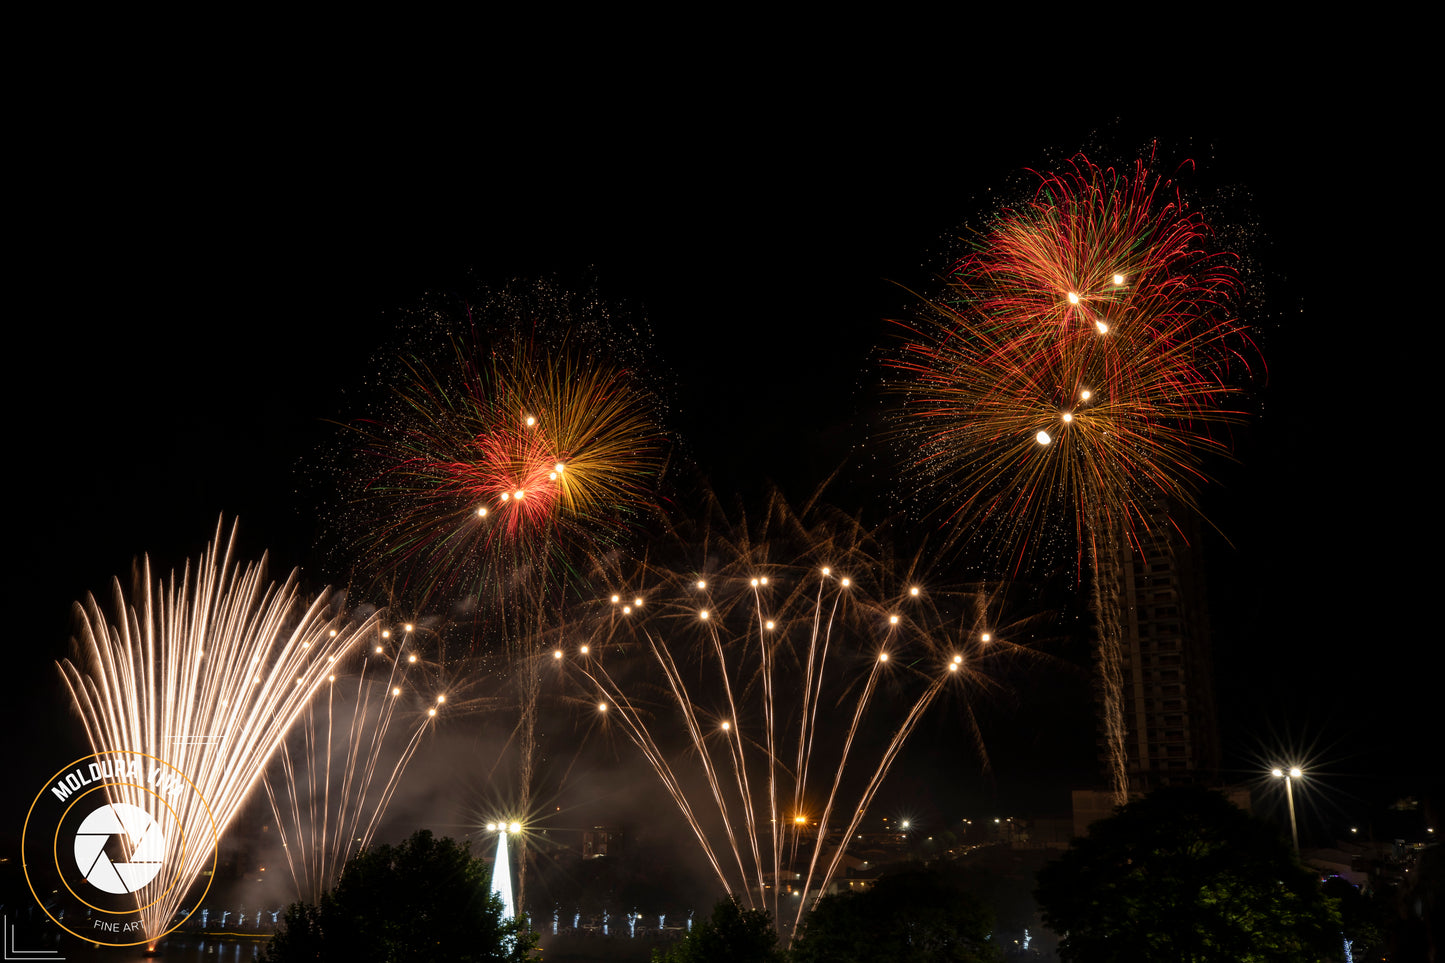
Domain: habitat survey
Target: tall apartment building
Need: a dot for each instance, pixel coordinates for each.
(1170, 712)
(1168, 675)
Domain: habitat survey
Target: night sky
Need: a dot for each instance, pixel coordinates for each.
(211, 283)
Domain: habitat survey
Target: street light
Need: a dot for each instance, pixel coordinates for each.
(1289, 778)
(501, 868)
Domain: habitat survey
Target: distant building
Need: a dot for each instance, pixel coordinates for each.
(1173, 728)
(1170, 713)
(601, 841)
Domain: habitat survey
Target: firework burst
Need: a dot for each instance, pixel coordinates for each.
(206, 672)
(1072, 374)
(777, 659)
(497, 467)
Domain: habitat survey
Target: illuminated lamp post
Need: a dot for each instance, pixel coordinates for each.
(501, 869)
(1289, 778)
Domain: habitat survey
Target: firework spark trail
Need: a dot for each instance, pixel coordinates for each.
(207, 672)
(338, 820)
(641, 736)
(1071, 376)
(767, 651)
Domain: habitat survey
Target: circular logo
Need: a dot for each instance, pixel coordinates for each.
(112, 845)
(130, 827)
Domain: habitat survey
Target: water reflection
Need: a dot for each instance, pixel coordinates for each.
(184, 949)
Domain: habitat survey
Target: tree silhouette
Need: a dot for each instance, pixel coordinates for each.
(1185, 876)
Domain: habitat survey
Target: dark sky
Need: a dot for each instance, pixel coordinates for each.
(211, 275)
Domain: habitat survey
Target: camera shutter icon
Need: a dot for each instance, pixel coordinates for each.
(145, 840)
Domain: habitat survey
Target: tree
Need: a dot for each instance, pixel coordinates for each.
(731, 935)
(1183, 875)
(424, 900)
(920, 915)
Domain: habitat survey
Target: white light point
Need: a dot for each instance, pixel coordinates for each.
(518, 494)
(584, 650)
(491, 827)
(557, 468)
(701, 584)
(616, 599)
(531, 421)
(1042, 438)
(626, 610)
(557, 654)
(1118, 280)
(1068, 417)
(827, 571)
(407, 627)
(431, 712)
(378, 650)
(411, 658)
(958, 660)
(1073, 297)
(987, 636)
(441, 699)
(481, 513)
(892, 620)
(637, 601)
(768, 625)
(703, 615)
(386, 633)
(396, 691)
(846, 582)
(754, 583)
(333, 635)
(1102, 327)
(506, 497)
(764, 580)
(514, 828)
(1295, 773)
(913, 591)
(329, 678)
(601, 707)
(1086, 394)
(953, 667)
(726, 726)
(883, 657)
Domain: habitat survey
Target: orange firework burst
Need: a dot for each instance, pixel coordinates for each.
(1076, 361)
(498, 466)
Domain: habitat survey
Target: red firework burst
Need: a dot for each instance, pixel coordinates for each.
(1077, 360)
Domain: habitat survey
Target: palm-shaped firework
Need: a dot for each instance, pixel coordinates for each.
(771, 671)
(1070, 376)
